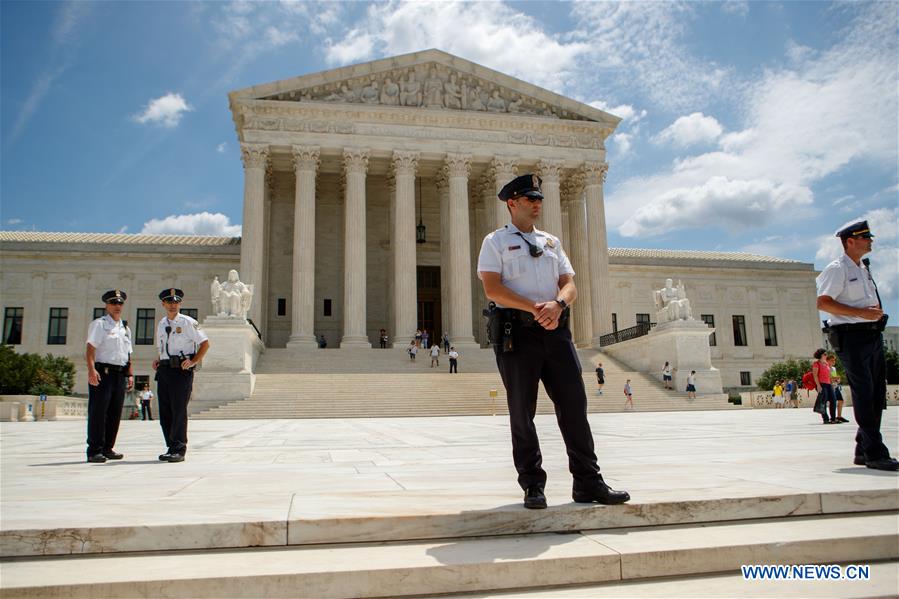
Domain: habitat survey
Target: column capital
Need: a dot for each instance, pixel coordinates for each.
(405, 163)
(355, 160)
(270, 179)
(441, 179)
(501, 167)
(306, 158)
(595, 172)
(254, 155)
(458, 165)
(550, 170)
(573, 187)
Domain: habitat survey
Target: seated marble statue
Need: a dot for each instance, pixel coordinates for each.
(672, 303)
(234, 297)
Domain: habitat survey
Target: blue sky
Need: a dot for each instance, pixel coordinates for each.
(748, 126)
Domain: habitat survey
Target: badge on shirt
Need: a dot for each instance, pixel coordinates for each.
(550, 243)
(177, 329)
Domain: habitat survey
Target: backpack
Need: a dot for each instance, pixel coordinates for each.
(808, 380)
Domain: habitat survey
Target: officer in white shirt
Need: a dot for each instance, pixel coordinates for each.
(181, 345)
(109, 374)
(848, 293)
(528, 277)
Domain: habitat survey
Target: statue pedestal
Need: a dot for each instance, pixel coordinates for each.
(683, 343)
(227, 370)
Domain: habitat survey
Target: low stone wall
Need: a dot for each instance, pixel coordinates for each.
(27, 408)
(765, 399)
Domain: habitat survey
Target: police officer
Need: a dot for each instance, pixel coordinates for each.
(527, 275)
(109, 374)
(847, 292)
(181, 346)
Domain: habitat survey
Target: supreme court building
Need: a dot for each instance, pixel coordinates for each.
(367, 192)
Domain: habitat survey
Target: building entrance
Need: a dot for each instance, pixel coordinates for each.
(429, 309)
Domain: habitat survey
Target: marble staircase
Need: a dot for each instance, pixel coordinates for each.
(386, 383)
(420, 553)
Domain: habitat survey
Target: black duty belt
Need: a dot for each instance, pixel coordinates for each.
(104, 368)
(175, 362)
(856, 326)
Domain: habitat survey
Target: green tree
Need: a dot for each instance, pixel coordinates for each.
(892, 359)
(31, 374)
(791, 369)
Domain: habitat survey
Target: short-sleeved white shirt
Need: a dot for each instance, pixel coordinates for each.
(537, 279)
(184, 337)
(454, 355)
(111, 339)
(435, 351)
(849, 284)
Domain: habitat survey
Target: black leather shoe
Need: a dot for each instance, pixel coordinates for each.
(859, 460)
(600, 493)
(841, 419)
(175, 457)
(534, 499)
(111, 455)
(164, 457)
(97, 458)
(890, 464)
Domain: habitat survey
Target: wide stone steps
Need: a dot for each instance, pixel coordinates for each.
(410, 568)
(385, 383)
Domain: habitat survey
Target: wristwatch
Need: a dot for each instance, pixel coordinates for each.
(562, 303)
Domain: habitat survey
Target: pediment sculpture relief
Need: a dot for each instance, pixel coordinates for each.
(428, 86)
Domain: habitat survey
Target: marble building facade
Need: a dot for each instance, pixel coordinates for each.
(339, 169)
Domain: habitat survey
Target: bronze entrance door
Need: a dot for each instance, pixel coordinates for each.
(429, 312)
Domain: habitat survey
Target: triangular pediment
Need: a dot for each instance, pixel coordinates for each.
(431, 79)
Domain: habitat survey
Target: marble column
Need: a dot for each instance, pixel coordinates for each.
(405, 291)
(252, 242)
(598, 249)
(550, 172)
(503, 169)
(441, 182)
(355, 334)
(458, 168)
(305, 166)
(578, 253)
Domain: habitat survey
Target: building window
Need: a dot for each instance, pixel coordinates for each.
(59, 324)
(192, 312)
(770, 331)
(282, 306)
(709, 319)
(327, 307)
(99, 313)
(614, 322)
(739, 330)
(642, 318)
(12, 326)
(145, 323)
(745, 379)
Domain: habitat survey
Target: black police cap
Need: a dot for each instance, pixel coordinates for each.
(856, 230)
(175, 295)
(525, 185)
(114, 296)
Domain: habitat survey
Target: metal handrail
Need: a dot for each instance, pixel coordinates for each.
(253, 324)
(626, 334)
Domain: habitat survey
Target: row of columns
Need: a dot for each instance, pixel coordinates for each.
(588, 249)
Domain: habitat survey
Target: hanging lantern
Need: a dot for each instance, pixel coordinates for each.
(420, 229)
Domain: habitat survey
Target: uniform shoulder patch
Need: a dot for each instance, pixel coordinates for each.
(550, 243)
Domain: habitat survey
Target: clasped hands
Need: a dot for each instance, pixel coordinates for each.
(547, 314)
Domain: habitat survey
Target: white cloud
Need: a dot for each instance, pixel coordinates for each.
(493, 34)
(623, 143)
(123, 229)
(14, 221)
(739, 8)
(689, 130)
(645, 47)
(278, 37)
(202, 223)
(626, 112)
(802, 125)
(166, 110)
(884, 255)
(718, 202)
(221, 147)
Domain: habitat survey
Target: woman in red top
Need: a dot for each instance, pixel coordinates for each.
(821, 374)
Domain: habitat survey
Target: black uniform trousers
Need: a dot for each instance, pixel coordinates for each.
(104, 410)
(550, 357)
(861, 352)
(173, 389)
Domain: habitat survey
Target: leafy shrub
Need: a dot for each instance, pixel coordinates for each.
(31, 374)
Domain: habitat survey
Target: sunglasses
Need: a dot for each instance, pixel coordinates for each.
(530, 199)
